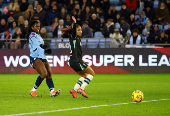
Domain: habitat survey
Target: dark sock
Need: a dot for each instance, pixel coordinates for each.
(50, 84)
(38, 82)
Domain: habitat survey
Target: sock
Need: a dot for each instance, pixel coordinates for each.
(37, 83)
(50, 84)
(33, 89)
(79, 83)
(86, 81)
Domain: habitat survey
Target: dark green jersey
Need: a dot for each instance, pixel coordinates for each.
(75, 46)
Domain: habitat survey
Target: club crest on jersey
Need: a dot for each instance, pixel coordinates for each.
(33, 33)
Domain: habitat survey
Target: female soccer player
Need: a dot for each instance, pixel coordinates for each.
(76, 62)
(38, 59)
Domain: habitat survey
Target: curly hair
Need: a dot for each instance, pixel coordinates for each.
(29, 30)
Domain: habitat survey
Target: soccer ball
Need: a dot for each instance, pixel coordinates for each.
(137, 96)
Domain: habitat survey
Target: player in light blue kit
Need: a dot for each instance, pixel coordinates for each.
(38, 58)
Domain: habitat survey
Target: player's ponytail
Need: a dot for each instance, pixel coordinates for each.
(29, 30)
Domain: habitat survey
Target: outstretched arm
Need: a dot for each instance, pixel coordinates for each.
(74, 27)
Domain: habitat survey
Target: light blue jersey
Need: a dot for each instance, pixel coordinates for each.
(34, 44)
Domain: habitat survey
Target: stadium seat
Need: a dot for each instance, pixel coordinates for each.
(92, 34)
(108, 41)
(98, 35)
(118, 8)
(114, 2)
(166, 27)
(53, 43)
(102, 40)
(52, 46)
(107, 45)
(65, 40)
(92, 45)
(156, 4)
(83, 45)
(48, 28)
(93, 41)
(56, 40)
(2, 10)
(83, 42)
(50, 34)
(160, 27)
(102, 45)
(137, 16)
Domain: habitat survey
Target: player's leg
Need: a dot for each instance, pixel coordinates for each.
(89, 76)
(77, 85)
(49, 81)
(76, 66)
(40, 68)
(79, 82)
(88, 73)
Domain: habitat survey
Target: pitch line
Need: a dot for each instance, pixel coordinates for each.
(78, 108)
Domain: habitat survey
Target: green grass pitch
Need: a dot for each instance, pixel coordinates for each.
(105, 89)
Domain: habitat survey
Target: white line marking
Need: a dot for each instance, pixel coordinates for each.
(78, 108)
(164, 99)
(145, 101)
(103, 105)
(154, 100)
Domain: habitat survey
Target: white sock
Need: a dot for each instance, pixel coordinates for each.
(52, 90)
(86, 81)
(79, 83)
(33, 89)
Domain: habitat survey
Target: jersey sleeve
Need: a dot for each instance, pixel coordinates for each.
(74, 30)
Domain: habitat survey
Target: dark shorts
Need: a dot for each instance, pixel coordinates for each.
(33, 60)
(78, 66)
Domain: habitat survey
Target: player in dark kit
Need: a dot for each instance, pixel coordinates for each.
(76, 62)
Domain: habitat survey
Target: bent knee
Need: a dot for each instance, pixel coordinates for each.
(44, 74)
(49, 76)
(93, 74)
(84, 75)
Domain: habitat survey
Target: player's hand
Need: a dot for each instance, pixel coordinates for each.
(74, 19)
(43, 46)
(49, 51)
